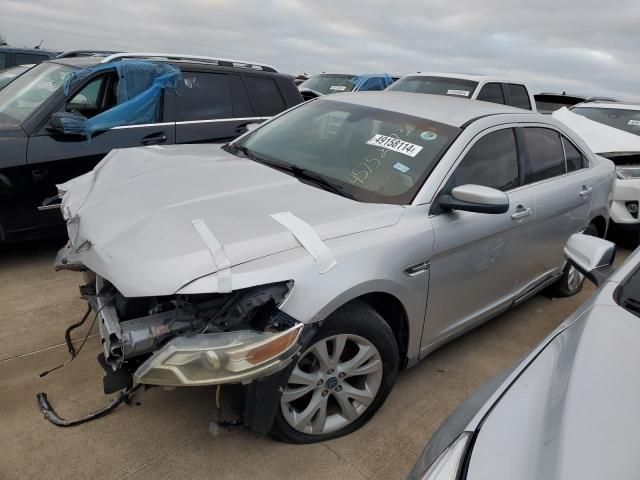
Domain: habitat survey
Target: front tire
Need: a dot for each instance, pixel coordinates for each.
(341, 379)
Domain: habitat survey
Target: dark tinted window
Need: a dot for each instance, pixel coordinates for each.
(519, 96)
(545, 153)
(575, 159)
(3, 61)
(492, 162)
(22, 58)
(491, 92)
(241, 104)
(266, 95)
(435, 85)
(205, 96)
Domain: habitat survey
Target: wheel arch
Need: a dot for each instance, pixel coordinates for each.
(601, 225)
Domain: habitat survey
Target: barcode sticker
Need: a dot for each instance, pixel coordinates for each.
(395, 144)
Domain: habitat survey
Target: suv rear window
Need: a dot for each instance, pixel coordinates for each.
(435, 85)
(546, 155)
(205, 96)
(519, 96)
(266, 95)
(25, 58)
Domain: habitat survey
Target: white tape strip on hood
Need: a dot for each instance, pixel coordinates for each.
(309, 239)
(218, 255)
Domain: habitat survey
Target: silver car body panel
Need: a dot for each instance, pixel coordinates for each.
(151, 195)
(579, 396)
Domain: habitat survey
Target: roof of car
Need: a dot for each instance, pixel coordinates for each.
(618, 105)
(7, 48)
(440, 108)
(465, 76)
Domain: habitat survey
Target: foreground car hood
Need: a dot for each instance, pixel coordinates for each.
(573, 413)
(131, 217)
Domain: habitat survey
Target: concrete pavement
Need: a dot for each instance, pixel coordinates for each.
(167, 435)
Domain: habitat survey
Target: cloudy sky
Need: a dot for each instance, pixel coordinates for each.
(580, 46)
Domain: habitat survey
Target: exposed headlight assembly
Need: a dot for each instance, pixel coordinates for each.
(448, 465)
(217, 358)
(626, 173)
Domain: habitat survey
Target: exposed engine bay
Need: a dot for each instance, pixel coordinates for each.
(132, 328)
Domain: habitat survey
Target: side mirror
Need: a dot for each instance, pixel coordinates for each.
(252, 126)
(475, 198)
(67, 123)
(592, 256)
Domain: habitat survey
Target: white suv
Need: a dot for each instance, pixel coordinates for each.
(474, 87)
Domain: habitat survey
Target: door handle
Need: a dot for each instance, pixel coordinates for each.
(154, 139)
(586, 191)
(521, 212)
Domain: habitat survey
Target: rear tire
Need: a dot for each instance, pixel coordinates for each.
(341, 379)
(572, 280)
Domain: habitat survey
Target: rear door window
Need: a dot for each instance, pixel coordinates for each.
(519, 97)
(575, 159)
(491, 92)
(545, 153)
(492, 162)
(205, 96)
(241, 103)
(266, 95)
(3, 61)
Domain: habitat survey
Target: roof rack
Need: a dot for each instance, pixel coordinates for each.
(85, 53)
(224, 62)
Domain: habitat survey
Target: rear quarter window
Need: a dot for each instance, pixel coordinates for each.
(266, 95)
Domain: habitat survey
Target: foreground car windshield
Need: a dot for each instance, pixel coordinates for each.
(373, 155)
(622, 119)
(435, 86)
(329, 83)
(26, 93)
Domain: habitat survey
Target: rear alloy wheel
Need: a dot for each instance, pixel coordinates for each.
(340, 380)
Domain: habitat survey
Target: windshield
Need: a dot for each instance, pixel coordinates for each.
(327, 83)
(435, 85)
(25, 94)
(10, 73)
(622, 119)
(373, 155)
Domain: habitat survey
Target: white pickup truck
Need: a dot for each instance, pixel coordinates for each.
(474, 87)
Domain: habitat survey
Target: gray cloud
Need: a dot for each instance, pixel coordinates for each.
(578, 46)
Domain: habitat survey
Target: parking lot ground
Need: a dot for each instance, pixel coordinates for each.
(167, 435)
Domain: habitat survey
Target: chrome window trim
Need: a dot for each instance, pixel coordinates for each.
(122, 127)
(220, 120)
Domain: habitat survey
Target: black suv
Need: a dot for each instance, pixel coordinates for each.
(223, 97)
(11, 56)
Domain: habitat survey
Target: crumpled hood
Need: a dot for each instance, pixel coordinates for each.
(131, 217)
(600, 138)
(573, 413)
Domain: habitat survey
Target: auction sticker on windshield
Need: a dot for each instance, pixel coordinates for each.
(337, 88)
(462, 93)
(395, 144)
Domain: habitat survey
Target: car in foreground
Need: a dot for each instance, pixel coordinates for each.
(569, 409)
(314, 257)
(10, 74)
(612, 130)
(474, 87)
(61, 117)
(328, 83)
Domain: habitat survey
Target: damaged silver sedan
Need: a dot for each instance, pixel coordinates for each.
(314, 257)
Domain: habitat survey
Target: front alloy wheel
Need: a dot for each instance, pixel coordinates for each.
(341, 379)
(333, 383)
